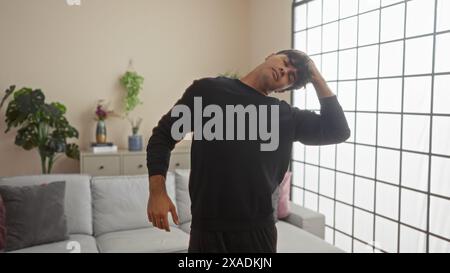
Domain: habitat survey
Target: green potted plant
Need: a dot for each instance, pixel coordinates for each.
(133, 82)
(40, 125)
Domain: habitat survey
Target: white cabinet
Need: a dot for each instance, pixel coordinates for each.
(124, 162)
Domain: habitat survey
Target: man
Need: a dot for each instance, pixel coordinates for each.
(231, 180)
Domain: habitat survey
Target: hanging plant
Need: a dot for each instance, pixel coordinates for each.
(133, 83)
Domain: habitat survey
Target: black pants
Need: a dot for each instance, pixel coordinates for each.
(263, 240)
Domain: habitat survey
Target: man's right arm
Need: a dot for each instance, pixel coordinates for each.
(160, 144)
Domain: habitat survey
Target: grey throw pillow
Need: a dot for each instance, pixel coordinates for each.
(34, 214)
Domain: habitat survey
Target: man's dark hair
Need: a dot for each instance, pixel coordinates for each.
(300, 61)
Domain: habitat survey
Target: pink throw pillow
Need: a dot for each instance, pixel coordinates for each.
(283, 202)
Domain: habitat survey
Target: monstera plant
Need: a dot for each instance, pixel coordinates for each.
(40, 125)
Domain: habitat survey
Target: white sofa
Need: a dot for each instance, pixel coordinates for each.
(108, 214)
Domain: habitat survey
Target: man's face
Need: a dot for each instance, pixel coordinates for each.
(277, 73)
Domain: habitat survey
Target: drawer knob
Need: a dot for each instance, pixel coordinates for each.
(177, 164)
(140, 166)
(101, 167)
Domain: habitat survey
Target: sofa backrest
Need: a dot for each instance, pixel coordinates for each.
(77, 198)
(120, 202)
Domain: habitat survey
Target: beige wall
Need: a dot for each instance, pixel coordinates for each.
(77, 54)
(270, 30)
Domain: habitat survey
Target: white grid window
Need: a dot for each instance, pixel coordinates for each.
(386, 188)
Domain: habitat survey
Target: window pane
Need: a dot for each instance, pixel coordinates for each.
(441, 135)
(365, 128)
(387, 200)
(386, 234)
(438, 245)
(442, 53)
(346, 95)
(350, 117)
(348, 8)
(365, 5)
(363, 225)
(392, 22)
(416, 133)
(417, 95)
(412, 241)
(369, 28)
(365, 161)
(343, 241)
(344, 188)
(367, 95)
(326, 207)
(312, 102)
(330, 10)
(329, 235)
(440, 175)
(297, 196)
(441, 94)
(359, 247)
(314, 40)
(368, 62)
(348, 33)
(414, 209)
(311, 178)
(314, 13)
(389, 127)
(388, 165)
(312, 154)
(298, 150)
(391, 59)
(326, 183)
(299, 99)
(389, 2)
(311, 200)
(298, 170)
(344, 218)
(347, 64)
(415, 171)
(300, 17)
(300, 41)
(390, 95)
(329, 66)
(440, 217)
(327, 156)
(443, 20)
(419, 55)
(423, 9)
(345, 157)
(330, 37)
(364, 193)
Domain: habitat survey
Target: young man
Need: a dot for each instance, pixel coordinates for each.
(232, 179)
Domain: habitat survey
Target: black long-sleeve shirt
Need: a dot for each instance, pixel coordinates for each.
(231, 181)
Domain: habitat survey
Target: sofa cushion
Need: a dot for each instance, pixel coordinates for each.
(147, 240)
(120, 202)
(77, 243)
(2, 225)
(182, 195)
(35, 214)
(77, 197)
(292, 239)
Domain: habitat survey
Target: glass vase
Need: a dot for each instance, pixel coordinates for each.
(100, 135)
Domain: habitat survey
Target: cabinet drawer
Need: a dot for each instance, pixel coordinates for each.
(134, 164)
(179, 161)
(101, 165)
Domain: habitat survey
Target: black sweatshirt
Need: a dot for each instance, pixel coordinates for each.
(231, 181)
